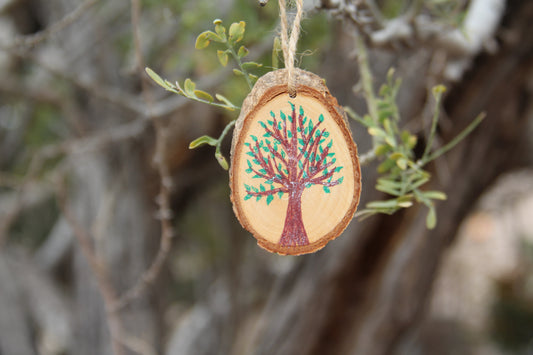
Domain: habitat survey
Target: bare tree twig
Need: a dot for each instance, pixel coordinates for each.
(98, 270)
(163, 199)
(119, 337)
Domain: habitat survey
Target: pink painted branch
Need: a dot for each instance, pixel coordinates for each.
(259, 157)
(310, 162)
(316, 143)
(276, 154)
(267, 192)
(294, 138)
(308, 139)
(285, 134)
(320, 180)
(277, 134)
(273, 178)
(270, 173)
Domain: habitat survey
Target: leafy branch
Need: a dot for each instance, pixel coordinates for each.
(402, 175)
(215, 143)
(235, 34)
(189, 91)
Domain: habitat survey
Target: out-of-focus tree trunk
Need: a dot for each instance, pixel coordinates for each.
(367, 292)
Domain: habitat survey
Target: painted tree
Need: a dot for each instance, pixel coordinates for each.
(292, 155)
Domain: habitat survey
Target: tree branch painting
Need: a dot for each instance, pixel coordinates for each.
(293, 154)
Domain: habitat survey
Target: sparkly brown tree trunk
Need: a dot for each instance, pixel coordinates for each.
(294, 231)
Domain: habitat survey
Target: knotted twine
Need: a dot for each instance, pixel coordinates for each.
(288, 45)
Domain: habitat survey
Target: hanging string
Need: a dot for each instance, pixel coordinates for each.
(288, 45)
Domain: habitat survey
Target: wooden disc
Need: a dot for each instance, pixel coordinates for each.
(295, 178)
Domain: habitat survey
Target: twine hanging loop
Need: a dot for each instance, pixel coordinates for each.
(288, 43)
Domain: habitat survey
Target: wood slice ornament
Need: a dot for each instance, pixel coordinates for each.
(295, 177)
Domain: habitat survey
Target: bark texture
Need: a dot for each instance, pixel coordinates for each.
(294, 230)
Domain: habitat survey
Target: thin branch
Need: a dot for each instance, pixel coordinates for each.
(267, 192)
(366, 78)
(433, 129)
(98, 270)
(163, 199)
(454, 141)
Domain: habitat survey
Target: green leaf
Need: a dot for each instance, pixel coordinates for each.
(205, 38)
(222, 57)
(387, 204)
(377, 132)
(238, 72)
(247, 197)
(189, 87)
(202, 41)
(222, 161)
(203, 140)
(321, 118)
(431, 218)
(402, 163)
(368, 121)
(269, 199)
(390, 183)
(387, 189)
(243, 52)
(408, 139)
(382, 149)
(155, 77)
(203, 95)
(384, 114)
(251, 65)
(405, 201)
(326, 189)
(396, 155)
(388, 127)
(386, 166)
(435, 195)
(236, 31)
(390, 141)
